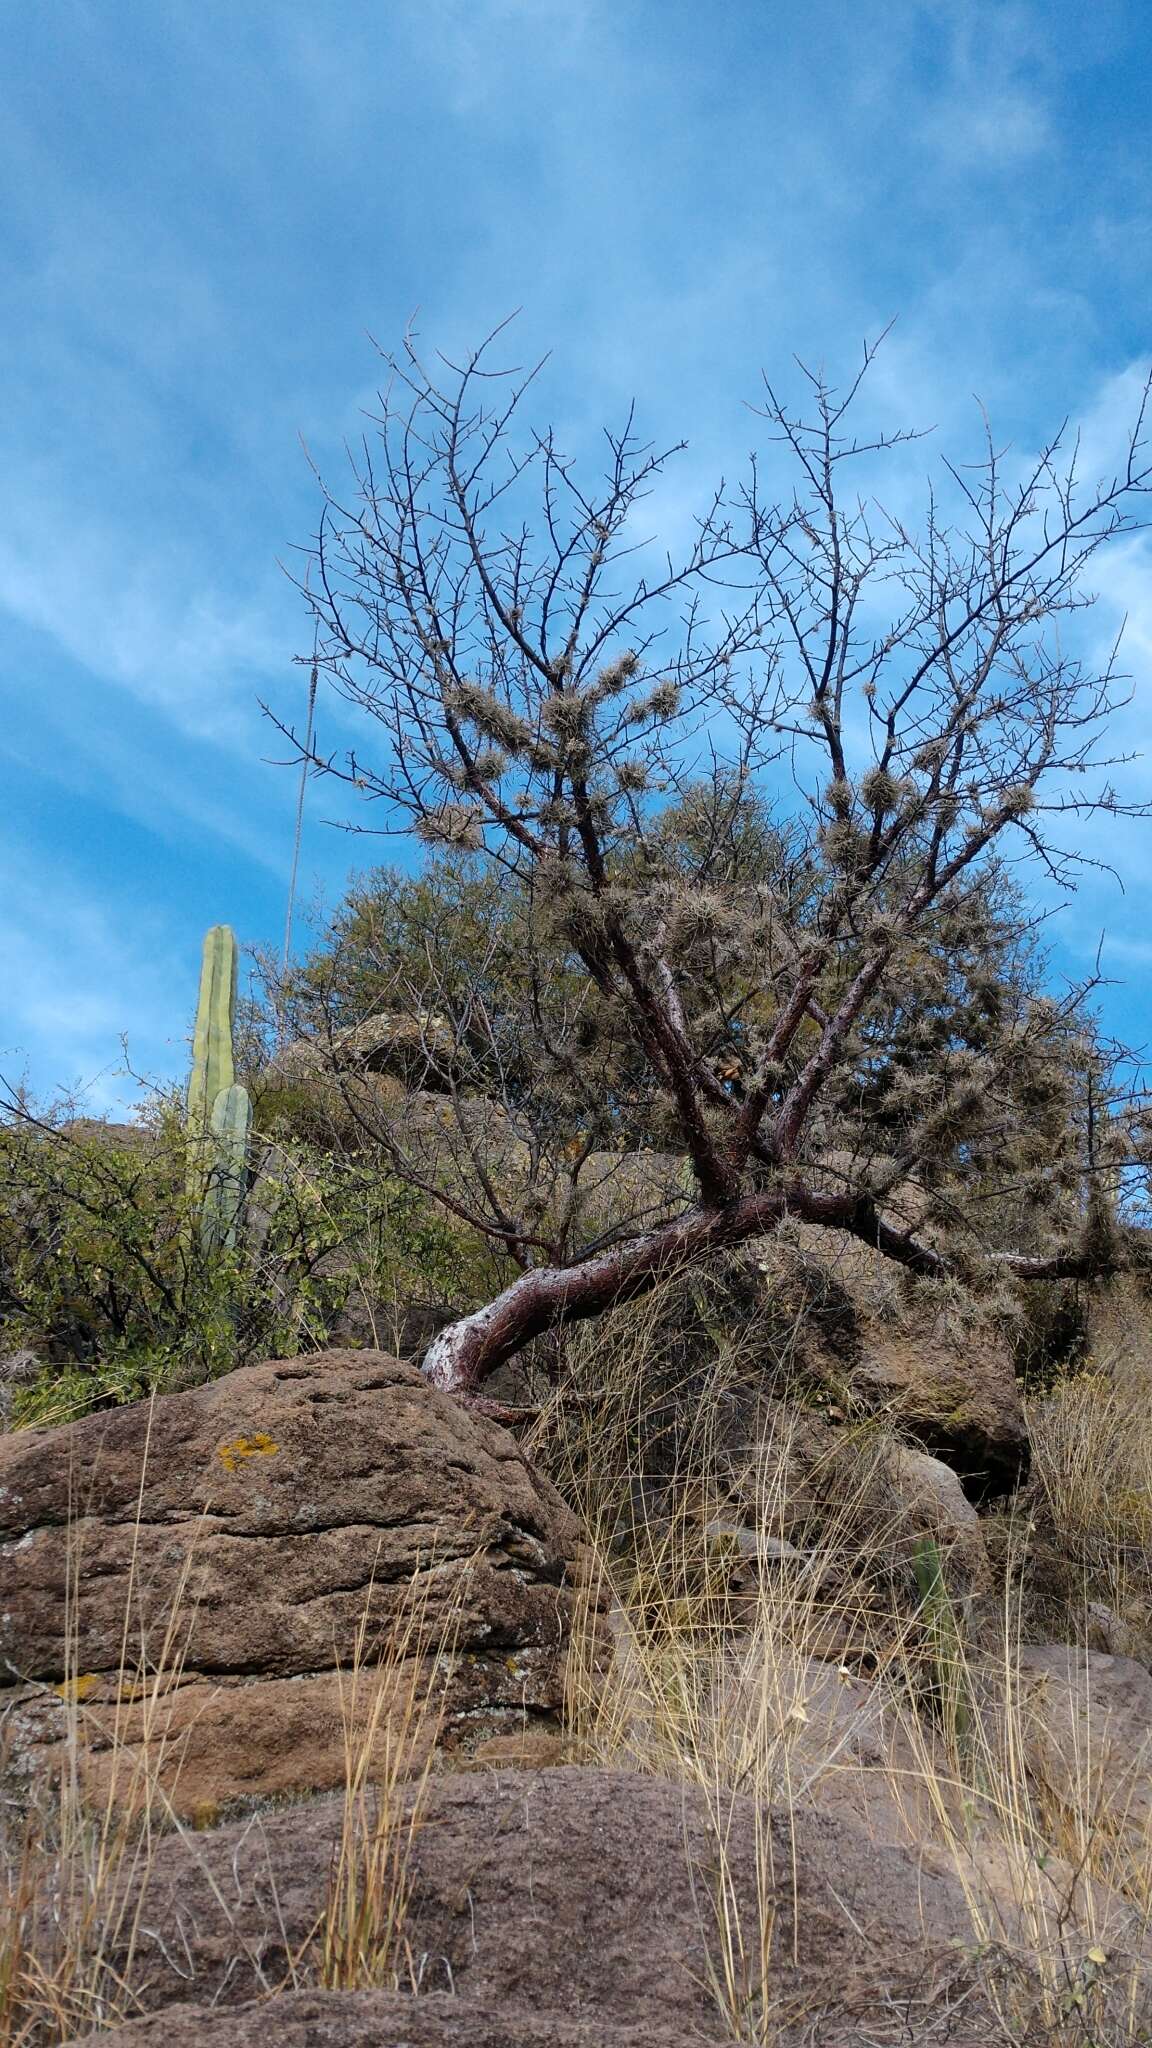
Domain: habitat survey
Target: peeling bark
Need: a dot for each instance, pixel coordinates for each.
(462, 1356)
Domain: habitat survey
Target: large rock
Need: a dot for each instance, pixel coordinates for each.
(958, 1397)
(936, 1365)
(854, 1497)
(195, 1576)
(1087, 1718)
(933, 1505)
(382, 2019)
(566, 1906)
(415, 1047)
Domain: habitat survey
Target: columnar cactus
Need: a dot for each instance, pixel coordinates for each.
(219, 1112)
(212, 1063)
(944, 1641)
(224, 1195)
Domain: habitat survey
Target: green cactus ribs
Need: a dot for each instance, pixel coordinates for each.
(213, 1068)
(219, 1111)
(228, 1174)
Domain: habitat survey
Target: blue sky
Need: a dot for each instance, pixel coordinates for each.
(206, 210)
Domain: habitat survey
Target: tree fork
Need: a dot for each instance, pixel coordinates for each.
(461, 1357)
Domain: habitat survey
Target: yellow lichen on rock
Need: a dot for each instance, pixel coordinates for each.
(242, 1447)
(79, 1688)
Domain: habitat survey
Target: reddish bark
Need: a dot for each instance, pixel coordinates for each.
(462, 1356)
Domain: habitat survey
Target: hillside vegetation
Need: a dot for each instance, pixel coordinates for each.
(658, 1300)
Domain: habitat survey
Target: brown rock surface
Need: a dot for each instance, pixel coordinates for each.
(382, 2019)
(1088, 1723)
(960, 1399)
(933, 1504)
(227, 1545)
(585, 1898)
(941, 1371)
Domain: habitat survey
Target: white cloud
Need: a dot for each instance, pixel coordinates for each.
(996, 129)
(993, 109)
(207, 214)
(479, 45)
(177, 791)
(139, 611)
(76, 981)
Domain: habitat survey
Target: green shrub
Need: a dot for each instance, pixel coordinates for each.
(105, 1277)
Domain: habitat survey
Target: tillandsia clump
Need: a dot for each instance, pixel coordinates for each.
(742, 835)
(219, 1109)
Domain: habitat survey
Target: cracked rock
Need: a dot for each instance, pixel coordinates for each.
(194, 1577)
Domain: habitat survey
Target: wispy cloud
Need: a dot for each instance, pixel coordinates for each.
(76, 981)
(208, 210)
(992, 108)
(138, 615)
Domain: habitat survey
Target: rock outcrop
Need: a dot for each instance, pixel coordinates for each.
(199, 1576)
(1088, 1728)
(941, 1374)
(933, 1505)
(959, 1399)
(567, 1906)
(416, 1048)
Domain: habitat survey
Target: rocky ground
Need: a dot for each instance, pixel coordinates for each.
(326, 1719)
(220, 1608)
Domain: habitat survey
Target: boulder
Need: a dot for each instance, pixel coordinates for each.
(959, 1399)
(937, 1365)
(1088, 1722)
(414, 1047)
(18, 1368)
(407, 1045)
(197, 1578)
(932, 1504)
(566, 1906)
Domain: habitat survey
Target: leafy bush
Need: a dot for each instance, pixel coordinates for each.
(104, 1279)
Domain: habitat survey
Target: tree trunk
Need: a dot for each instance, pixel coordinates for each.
(463, 1355)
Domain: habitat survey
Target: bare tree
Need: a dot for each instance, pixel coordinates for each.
(898, 709)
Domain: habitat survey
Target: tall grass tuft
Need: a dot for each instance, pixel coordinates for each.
(755, 1643)
(76, 1853)
(392, 1708)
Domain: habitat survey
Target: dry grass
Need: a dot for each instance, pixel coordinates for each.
(715, 1635)
(1053, 1853)
(813, 1671)
(71, 1922)
(75, 1860)
(1092, 1477)
(76, 1853)
(794, 1667)
(1055, 1869)
(389, 1744)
